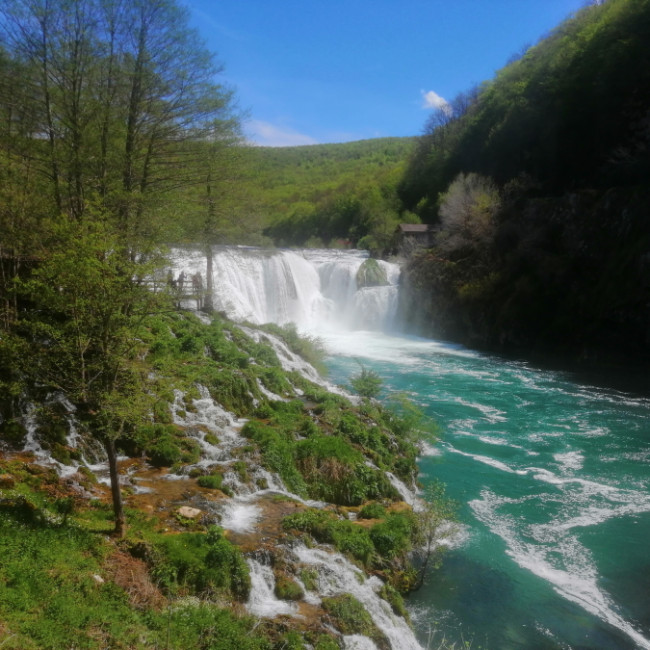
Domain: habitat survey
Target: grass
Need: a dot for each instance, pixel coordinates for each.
(67, 585)
(64, 583)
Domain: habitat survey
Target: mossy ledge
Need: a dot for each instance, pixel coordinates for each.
(178, 579)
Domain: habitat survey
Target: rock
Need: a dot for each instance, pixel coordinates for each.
(7, 481)
(188, 513)
(98, 579)
(371, 274)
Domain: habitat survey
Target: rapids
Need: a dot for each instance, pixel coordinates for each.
(551, 472)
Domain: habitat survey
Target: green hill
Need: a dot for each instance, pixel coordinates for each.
(331, 194)
(544, 241)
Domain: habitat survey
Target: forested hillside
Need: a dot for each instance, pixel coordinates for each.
(116, 139)
(538, 181)
(331, 194)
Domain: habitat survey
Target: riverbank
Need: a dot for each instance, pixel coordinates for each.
(248, 504)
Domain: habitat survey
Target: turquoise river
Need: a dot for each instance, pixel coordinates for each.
(551, 476)
(550, 471)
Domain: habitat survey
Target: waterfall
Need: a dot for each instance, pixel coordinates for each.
(337, 575)
(315, 289)
(262, 600)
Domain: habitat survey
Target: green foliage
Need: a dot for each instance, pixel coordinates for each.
(393, 536)
(372, 511)
(350, 617)
(333, 194)
(326, 528)
(371, 274)
(367, 383)
(387, 540)
(50, 599)
(309, 578)
(326, 643)
(310, 348)
(467, 211)
(189, 624)
(545, 264)
(212, 481)
(286, 588)
(335, 471)
(277, 454)
(392, 596)
(205, 563)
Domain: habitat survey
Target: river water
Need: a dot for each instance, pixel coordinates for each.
(551, 474)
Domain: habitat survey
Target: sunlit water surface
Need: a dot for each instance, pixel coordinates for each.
(551, 474)
(552, 480)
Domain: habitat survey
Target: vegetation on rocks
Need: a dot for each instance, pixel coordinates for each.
(172, 580)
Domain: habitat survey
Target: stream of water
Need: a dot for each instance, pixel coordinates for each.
(551, 474)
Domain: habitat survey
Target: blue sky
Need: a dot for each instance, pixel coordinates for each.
(315, 71)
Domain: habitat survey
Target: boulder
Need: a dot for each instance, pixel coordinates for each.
(371, 274)
(189, 513)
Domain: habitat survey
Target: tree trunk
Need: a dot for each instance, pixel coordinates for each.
(118, 508)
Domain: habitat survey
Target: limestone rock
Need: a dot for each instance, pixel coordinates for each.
(371, 274)
(188, 513)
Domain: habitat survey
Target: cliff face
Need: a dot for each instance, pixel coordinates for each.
(567, 275)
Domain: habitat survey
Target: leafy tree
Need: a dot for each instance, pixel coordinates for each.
(83, 336)
(436, 516)
(117, 102)
(367, 383)
(467, 211)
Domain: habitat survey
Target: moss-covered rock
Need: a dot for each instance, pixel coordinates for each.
(350, 617)
(371, 274)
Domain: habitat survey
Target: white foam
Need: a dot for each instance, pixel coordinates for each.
(358, 642)
(239, 516)
(567, 565)
(262, 600)
(570, 460)
(337, 575)
(488, 460)
(428, 450)
(490, 413)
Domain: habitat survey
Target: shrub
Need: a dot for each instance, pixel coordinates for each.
(277, 454)
(350, 617)
(372, 511)
(203, 562)
(13, 432)
(347, 537)
(326, 643)
(212, 481)
(467, 212)
(393, 536)
(165, 452)
(367, 383)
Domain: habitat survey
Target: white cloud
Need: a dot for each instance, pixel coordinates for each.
(433, 100)
(265, 134)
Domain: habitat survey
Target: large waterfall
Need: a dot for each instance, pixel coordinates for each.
(315, 289)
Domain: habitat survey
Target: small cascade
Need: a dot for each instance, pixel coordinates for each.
(90, 449)
(291, 362)
(407, 495)
(358, 642)
(239, 516)
(208, 416)
(262, 600)
(337, 575)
